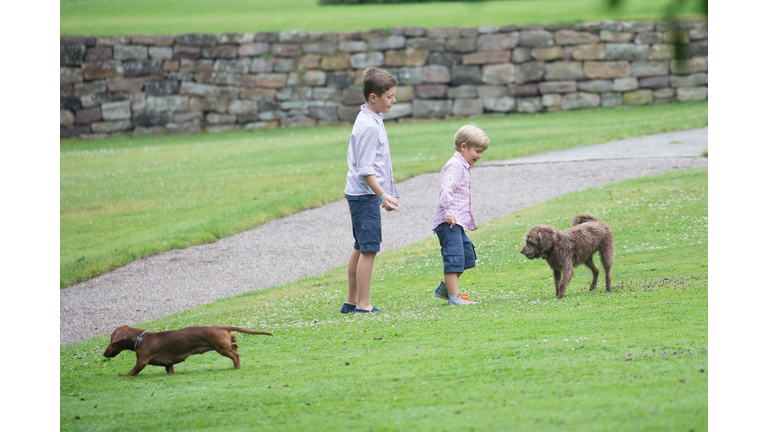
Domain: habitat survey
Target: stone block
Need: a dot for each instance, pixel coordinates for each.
(426, 44)
(529, 105)
(252, 49)
(77, 40)
(444, 59)
(654, 82)
(242, 107)
(461, 45)
(353, 46)
(546, 54)
(589, 52)
(406, 57)
(639, 97)
(283, 65)
(499, 104)
(667, 94)
(523, 90)
(88, 115)
(521, 55)
(353, 97)
(186, 117)
(66, 90)
(404, 93)
(139, 68)
(329, 94)
(616, 37)
(625, 84)
(552, 101)
(314, 78)
(341, 79)
(71, 55)
(73, 131)
(219, 128)
(690, 66)
(70, 75)
(649, 38)
(580, 100)
(162, 87)
(563, 71)
(240, 66)
(528, 72)
(260, 65)
(114, 40)
(335, 62)
(271, 80)
(185, 53)
(102, 70)
(611, 99)
(620, 69)
(257, 94)
(265, 37)
(462, 92)
(196, 39)
(130, 52)
(90, 88)
(626, 52)
(348, 113)
(497, 42)
(661, 52)
(489, 57)
(219, 51)
(320, 47)
(557, 87)
(156, 40)
(430, 91)
(285, 49)
(536, 38)
(66, 118)
(299, 36)
(493, 92)
(468, 107)
(116, 110)
(399, 110)
(217, 118)
(571, 37)
(698, 32)
(696, 49)
(309, 61)
(387, 43)
(695, 80)
(172, 103)
(196, 89)
(111, 126)
(412, 31)
(324, 113)
(160, 53)
(100, 53)
(138, 102)
(645, 69)
(297, 122)
(431, 108)
(444, 33)
(149, 119)
(171, 65)
(498, 74)
(366, 59)
(235, 38)
(466, 75)
(437, 74)
(670, 36)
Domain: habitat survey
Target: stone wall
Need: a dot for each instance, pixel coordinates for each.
(145, 84)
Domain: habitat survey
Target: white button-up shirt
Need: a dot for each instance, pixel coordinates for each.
(454, 197)
(368, 154)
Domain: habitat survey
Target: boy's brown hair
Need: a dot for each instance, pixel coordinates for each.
(377, 81)
(473, 136)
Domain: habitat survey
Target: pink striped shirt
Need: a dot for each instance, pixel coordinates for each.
(455, 195)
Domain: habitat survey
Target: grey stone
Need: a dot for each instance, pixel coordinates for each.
(431, 108)
(217, 118)
(114, 40)
(461, 45)
(283, 65)
(320, 48)
(695, 80)
(414, 31)
(219, 128)
(324, 113)
(698, 32)
(294, 94)
(660, 52)
(611, 99)
(437, 74)
(157, 40)
(536, 38)
(77, 40)
(625, 52)
(466, 75)
(580, 100)
(467, 107)
(492, 92)
(399, 110)
(241, 107)
(529, 105)
(606, 69)
(645, 69)
(462, 92)
(137, 68)
(240, 66)
(500, 104)
(299, 36)
(665, 93)
(430, 91)
(314, 78)
(696, 49)
(625, 84)
(649, 38)
(404, 93)
(185, 52)
(265, 37)
(589, 52)
(160, 53)
(172, 103)
(570, 37)
(552, 101)
(341, 79)
(521, 55)
(444, 59)
(66, 118)
(104, 69)
(252, 49)
(690, 66)
(639, 97)
(564, 71)
(487, 29)
(617, 37)
(471, 33)
(444, 33)
(71, 55)
(366, 59)
(98, 54)
(557, 87)
(328, 94)
(196, 39)
(654, 82)
(186, 117)
(497, 42)
(261, 65)
(549, 53)
(353, 46)
(426, 44)
(90, 88)
(88, 115)
(285, 49)
(69, 132)
(352, 97)
(498, 74)
(70, 75)
(130, 52)
(116, 110)
(410, 75)
(236, 38)
(387, 43)
(149, 119)
(528, 72)
(111, 126)
(347, 113)
(596, 86)
(523, 90)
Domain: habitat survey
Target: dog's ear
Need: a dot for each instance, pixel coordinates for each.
(544, 240)
(119, 335)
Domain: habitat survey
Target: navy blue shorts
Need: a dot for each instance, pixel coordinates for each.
(366, 222)
(457, 249)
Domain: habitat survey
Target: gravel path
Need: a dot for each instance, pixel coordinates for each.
(268, 255)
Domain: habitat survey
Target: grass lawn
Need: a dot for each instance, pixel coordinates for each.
(126, 198)
(635, 359)
(107, 17)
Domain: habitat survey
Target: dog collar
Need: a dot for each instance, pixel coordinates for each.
(138, 339)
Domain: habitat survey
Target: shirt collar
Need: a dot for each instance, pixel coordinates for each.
(378, 117)
(460, 157)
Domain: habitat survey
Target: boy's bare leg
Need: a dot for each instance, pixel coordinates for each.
(363, 278)
(452, 283)
(352, 277)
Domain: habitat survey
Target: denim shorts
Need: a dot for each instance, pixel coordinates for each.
(366, 222)
(457, 249)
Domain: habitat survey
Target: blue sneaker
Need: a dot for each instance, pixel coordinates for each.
(347, 308)
(375, 309)
(441, 291)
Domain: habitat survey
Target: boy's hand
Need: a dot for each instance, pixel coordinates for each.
(389, 203)
(450, 220)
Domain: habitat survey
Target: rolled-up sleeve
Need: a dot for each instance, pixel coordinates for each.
(366, 151)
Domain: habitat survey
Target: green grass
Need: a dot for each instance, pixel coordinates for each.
(127, 198)
(108, 17)
(635, 359)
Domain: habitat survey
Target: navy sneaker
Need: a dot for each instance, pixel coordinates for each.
(375, 309)
(347, 308)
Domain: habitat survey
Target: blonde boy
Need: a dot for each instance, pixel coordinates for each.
(453, 212)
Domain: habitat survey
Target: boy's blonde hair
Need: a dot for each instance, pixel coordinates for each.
(377, 81)
(473, 136)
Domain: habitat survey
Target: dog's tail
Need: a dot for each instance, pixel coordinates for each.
(242, 330)
(582, 219)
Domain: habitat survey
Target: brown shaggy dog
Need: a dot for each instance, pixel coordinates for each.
(564, 250)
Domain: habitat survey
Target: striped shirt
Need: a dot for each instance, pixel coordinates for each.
(368, 154)
(455, 195)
